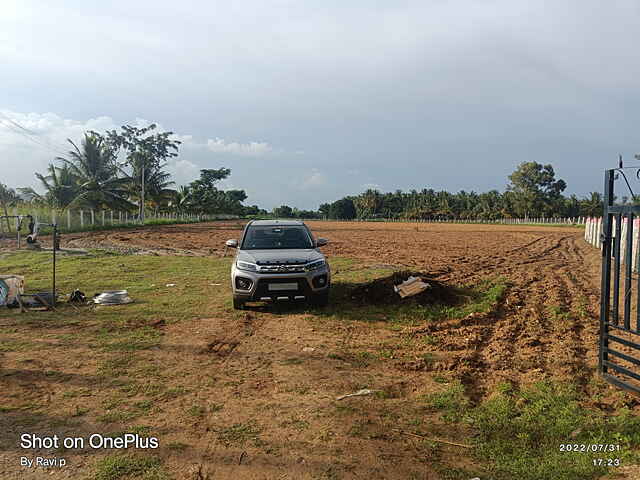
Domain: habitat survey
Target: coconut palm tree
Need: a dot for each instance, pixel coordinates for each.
(61, 187)
(181, 200)
(8, 197)
(157, 183)
(99, 186)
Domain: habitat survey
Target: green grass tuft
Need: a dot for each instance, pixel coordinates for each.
(452, 401)
(116, 467)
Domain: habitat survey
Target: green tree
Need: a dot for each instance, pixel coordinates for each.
(146, 155)
(93, 166)
(205, 197)
(592, 206)
(181, 199)
(536, 191)
(8, 197)
(368, 204)
(60, 186)
(283, 211)
(343, 209)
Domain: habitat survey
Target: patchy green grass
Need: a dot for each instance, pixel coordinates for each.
(239, 433)
(141, 338)
(116, 467)
(520, 434)
(196, 411)
(13, 345)
(127, 327)
(452, 401)
(177, 446)
(117, 416)
(482, 298)
(116, 366)
(144, 276)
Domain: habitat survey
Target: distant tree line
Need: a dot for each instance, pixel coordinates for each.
(125, 170)
(533, 192)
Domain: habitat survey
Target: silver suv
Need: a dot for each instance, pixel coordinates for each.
(279, 260)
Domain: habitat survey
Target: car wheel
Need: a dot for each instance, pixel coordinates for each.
(238, 304)
(321, 299)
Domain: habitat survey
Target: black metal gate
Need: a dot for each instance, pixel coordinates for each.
(619, 359)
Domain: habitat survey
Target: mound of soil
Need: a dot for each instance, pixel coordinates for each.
(381, 291)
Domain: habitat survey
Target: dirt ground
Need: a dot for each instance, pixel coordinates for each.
(284, 370)
(545, 267)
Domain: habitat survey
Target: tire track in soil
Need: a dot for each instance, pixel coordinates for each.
(541, 328)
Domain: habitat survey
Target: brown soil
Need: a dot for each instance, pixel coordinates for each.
(548, 269)
(283, 370)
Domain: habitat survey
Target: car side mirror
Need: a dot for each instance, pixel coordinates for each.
(233, 243)
(321, 242)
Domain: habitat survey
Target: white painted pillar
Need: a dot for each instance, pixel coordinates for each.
(599, 233)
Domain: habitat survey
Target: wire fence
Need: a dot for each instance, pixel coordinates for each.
(87, 219)
(504, 221)
(83, 219)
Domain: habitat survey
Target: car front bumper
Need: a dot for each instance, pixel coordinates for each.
(266, 286)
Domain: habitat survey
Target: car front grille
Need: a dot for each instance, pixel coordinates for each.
(281, 269)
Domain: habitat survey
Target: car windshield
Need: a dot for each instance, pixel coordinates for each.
(270, 237)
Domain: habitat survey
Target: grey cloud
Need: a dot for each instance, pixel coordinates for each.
(410, 94)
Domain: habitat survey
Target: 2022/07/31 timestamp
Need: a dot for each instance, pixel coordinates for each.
(606, 462)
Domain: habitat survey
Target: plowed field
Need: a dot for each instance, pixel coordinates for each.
(550, 271)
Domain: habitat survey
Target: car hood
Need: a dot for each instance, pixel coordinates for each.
(267, 257)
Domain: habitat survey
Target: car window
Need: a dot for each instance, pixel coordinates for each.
(276, 237)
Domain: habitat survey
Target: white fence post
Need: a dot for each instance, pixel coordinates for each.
(599, 233)
(81, 219)
(587, 232)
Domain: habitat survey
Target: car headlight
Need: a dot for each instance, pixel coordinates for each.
(315, 265)
(249, 267)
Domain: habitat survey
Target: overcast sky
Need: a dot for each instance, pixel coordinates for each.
(308, 101)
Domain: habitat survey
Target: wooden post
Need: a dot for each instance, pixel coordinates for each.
(81, 218)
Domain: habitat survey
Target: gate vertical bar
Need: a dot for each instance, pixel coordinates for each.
(628, 264)
(605, 280)
(617, 243)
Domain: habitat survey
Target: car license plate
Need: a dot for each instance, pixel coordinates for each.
(283, 286)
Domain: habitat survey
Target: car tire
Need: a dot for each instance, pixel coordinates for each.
(238, 304)
(321, 299)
